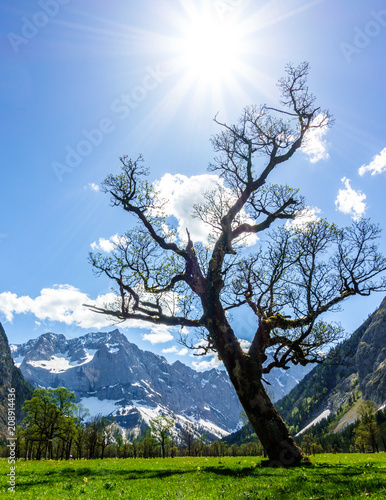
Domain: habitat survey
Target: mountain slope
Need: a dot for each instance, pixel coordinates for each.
(371, 358)
(10, 378)
(111, 375)
(357, 367)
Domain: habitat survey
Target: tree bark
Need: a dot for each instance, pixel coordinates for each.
(270, 428)
(246, 376)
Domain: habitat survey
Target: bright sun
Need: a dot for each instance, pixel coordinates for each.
(209, 48)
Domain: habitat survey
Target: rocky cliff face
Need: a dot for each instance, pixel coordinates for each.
(111, 375)
(10, 377)
(359, 367)
(371, 358)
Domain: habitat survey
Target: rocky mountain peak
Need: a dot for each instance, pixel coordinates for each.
(111, 375)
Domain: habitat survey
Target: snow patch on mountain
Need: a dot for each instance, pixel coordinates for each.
(104, 407)
(111, 375)
(318, 419)
(60, 363)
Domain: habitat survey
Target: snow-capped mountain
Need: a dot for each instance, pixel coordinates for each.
(112, 376)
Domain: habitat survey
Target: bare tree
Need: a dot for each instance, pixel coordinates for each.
(302, 270)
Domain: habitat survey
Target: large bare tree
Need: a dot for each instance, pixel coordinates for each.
(302, 270)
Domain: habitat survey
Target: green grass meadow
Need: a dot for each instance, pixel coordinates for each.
(329, 476)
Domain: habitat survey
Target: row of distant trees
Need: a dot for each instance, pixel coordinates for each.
(55, 427)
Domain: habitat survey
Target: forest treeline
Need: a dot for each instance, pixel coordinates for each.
(55, 427)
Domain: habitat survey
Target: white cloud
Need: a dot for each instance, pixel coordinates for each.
(245, 345)
(182, 193)
(160, 334)
(92, 186)
(11, 304)
(109, 245)
(377, 165)
(304, 217)
(314, 144)
(351, 202)
(173, 350)
(214, 362)
(170, 350)
(63, 303)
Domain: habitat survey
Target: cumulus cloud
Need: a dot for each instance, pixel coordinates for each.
(92, 186)
(214, 362)
(304, 217)
(170, 350)
(109, 245)
(11, 304)
(351, 202)
(314, 144)
(245, 345)
(173, 350)
(182, 193)
(376, 166)
(63, 303)
(159, 335)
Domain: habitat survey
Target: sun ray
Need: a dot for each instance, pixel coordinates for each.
(214, 61)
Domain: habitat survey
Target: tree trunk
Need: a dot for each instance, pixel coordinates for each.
(384, 442)
(68, 449)
(245, 372)
(39, 451)
(270, 428)
(79, 450)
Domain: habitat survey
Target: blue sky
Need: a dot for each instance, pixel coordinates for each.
(84, 82)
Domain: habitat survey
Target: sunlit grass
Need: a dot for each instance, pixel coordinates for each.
(330, 476)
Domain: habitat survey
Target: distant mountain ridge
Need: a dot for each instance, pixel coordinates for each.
(360, 372)
(111, 375)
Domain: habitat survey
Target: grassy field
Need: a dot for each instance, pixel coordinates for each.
(330, 476)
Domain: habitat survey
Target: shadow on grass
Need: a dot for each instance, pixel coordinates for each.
(341, 477)
(222, 471)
